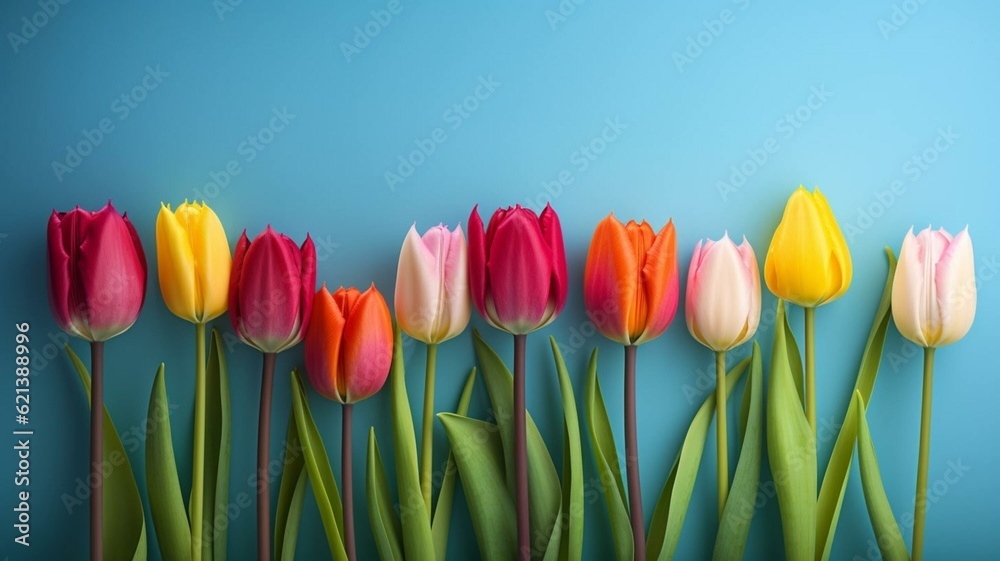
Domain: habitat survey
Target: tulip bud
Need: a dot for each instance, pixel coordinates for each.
(193, 261)
(722, 304)
(271, 290)
(630, 285)
(808, 262)
(97, 272)
(934, 289)
(517, 268)
(432, 287)
(349, 344)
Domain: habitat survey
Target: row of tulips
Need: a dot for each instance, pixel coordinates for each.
(513, 271)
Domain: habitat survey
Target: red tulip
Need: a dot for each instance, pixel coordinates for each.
(97, 272)
(271, 290)
(349, 344)
(517, 268)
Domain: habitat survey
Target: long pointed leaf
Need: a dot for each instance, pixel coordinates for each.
(442, 511)
(218, 435)
(571, 522)
(291, 495)
(381, 513)
(166, 502)
(887, 536)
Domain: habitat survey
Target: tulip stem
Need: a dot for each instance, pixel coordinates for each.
(347, 476)
(632, 459)
(721, 429)
(810, 314)
(521, 452)
(96, 450)
(920, 507)
(427, 438)
(263, 454)
(198, 455)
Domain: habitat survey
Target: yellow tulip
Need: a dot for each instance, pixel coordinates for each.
(808, 262)
(192, 255)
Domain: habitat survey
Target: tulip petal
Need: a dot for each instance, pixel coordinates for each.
(719, 302)
(841, 266)
(478, 282)
(907, 286)
(175, 265)
(235, 280)
(610, 280)
(417, 288)
(955, 274)
(752, 276)
(270, 287)
(552, 233)
(520, 271)
(212, 261)
(65, 292)
(660, 283)
(323, 346)
(798, 264)
(367, 346)
(456, 287)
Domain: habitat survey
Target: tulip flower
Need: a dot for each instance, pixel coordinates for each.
(97, 285)
(722, 309)
(517, 276)
(432, 306)
(194, 266)
(933, 305)
(808, 264)
(630, 290)
(270, 301)
(348, 354)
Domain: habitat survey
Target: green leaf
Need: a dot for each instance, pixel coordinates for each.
(791, 449)
(418, 541)
(381, 513)
(166, 503)
(671, 508)
(543, 480)
(218, 436)
(571, 522)
(291, 495)
(887, 536)
(734, 527)
(124, 534)
(602, 441)
(831, 494)
(478, 453)
(320, 474)
(442, 511)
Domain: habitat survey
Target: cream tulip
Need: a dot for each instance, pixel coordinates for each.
(722, 304)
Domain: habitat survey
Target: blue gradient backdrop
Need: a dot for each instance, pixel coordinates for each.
(710, 113)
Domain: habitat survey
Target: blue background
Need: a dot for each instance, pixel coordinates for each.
(922, 85)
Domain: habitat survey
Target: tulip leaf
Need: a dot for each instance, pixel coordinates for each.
(291, 495)
(418, 541)
(831, 494)
(571, 521)
(887, 536)
(734, 527)
(318, 467)
(124, 534)
(543, 480)
(218, 429)
(602, 441)
(385, 524)
(671, 508)
(442, 511)
(478, 453)
(166, 503)
(791, 449)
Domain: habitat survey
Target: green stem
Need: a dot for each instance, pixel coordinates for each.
(198, 456)
(810, 314)
(721, 425)
(920, 508)
(427, 436)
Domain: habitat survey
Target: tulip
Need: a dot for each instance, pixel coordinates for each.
(270, 300)
(808, 264)
(723, 310)
(933, 305)
(194, 266)
(517, 276)
(97, 284)
(630, 290)
(432, 306)
(348, 353)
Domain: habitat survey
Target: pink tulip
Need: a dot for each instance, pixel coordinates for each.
(723, 294)
(97, 272)
(271, 290)
(517, 268)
